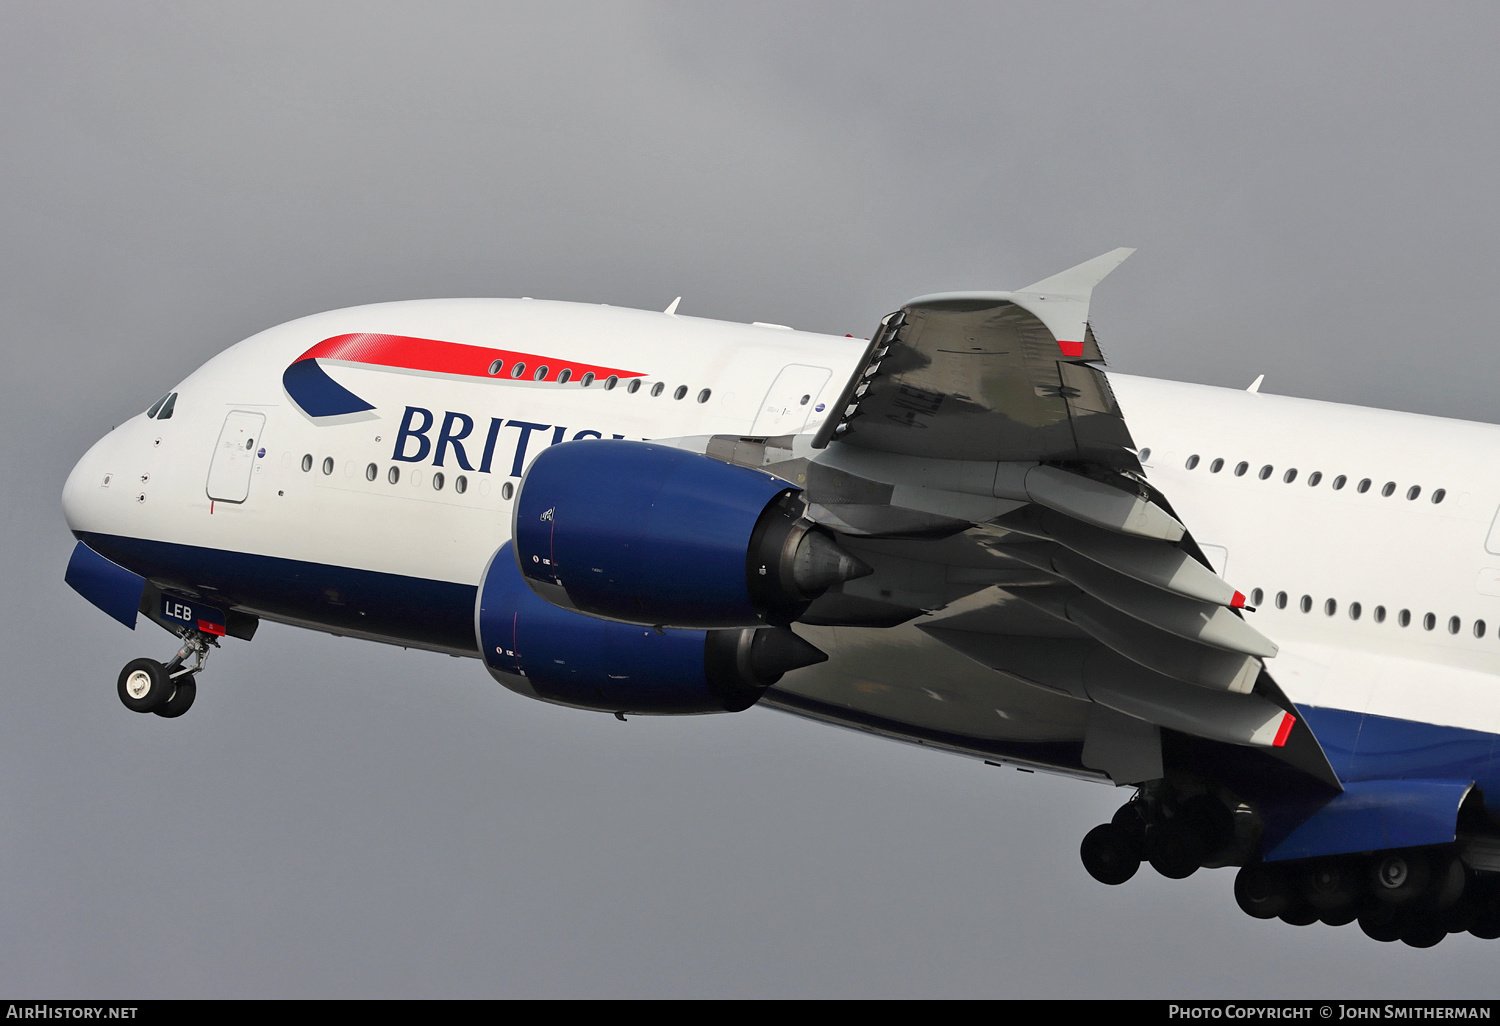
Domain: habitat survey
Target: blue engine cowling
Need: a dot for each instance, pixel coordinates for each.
(569, 658)
(653, 535)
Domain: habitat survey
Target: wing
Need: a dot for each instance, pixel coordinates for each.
(979, 462)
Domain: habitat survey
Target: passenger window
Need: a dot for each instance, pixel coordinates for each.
(437, 481)
(307, 463)
(1256, 596)
(1192, 461)
(327, 465)
(1144, 454)
(703, 398)
(1454, 623)
(1281, 600)
(1216, 466)
(680, 393)
(1354, 610)
(1314, 478)
(1330, 607)
(460, 484)
(497, 367)
(610, 382)
(587, 379)
(517, 369)
(1363, 486)
(656, 389)
(1404, 618)
(1429, 622)
(1339, 482)
(1265, 471)
(1388, 490)
(563, 376)
(1478, 628)
(371, 471)
(1437, 496)
(1380, 614)
(1289, 476)
(1306, 603)
(1240, 468)
(1413, 492)
(393, 475)
(634, 386)
(507, 490)
(541, 373)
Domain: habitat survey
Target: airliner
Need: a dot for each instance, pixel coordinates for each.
(1275, 621)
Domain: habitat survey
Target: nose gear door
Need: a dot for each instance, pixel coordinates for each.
(234, 456)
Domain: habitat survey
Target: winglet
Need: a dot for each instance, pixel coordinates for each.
(1062, 301)
(1080, 281)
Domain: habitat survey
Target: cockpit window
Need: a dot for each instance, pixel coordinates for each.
(162, 408)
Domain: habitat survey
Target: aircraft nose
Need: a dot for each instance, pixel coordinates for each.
(88, 488)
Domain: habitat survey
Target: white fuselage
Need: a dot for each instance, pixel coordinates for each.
(1338, 547)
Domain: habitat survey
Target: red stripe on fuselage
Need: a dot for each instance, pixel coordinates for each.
(429, 354)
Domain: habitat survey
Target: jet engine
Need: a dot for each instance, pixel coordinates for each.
(560, 656)
(648, 534)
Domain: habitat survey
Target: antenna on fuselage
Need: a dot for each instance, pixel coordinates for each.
(671, 310)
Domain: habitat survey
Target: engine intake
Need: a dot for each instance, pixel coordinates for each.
(652, 535)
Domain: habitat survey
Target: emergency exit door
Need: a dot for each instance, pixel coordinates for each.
(790, 401)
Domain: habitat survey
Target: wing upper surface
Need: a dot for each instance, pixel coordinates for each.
(977, 459)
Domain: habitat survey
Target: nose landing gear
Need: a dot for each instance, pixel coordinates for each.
(167, 689)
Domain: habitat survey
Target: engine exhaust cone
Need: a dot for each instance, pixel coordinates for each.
(820, 563)
(776, 651)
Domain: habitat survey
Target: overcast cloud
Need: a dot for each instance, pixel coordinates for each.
(1312, 189)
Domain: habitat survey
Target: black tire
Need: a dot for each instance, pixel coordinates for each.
(181, 699)
(1339, 917)
(1175, 849)
(1446, 887)
(1423, 932)
(1109, 855)
(144, 685)
(1381, 925)
(1331, 885)
(1301, 914)
(1262, 891)
(1399, 877)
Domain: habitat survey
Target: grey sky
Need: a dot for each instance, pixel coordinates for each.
(1312, 189)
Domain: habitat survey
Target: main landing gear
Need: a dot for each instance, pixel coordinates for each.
(166, 689)
(1415, 895)
(1177, 836)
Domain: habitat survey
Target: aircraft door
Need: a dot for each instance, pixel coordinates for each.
(234, 456)
(789, 403)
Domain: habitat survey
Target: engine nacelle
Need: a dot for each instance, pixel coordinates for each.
(568, 658)
(653, 535)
